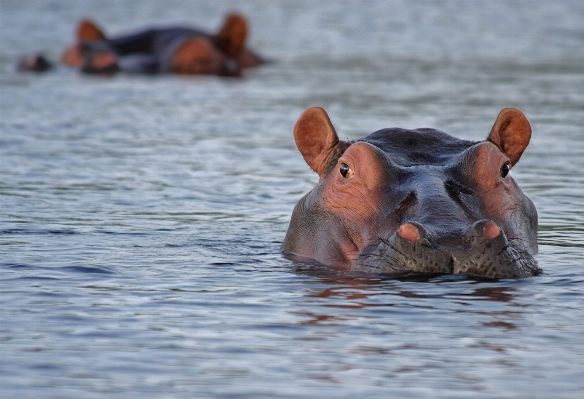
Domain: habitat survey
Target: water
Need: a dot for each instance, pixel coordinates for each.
(141, 218)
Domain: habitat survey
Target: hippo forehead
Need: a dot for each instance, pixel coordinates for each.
(417, 147)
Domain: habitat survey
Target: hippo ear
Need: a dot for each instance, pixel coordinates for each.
(315, 138)
(511, 133)
(232, 35)
(87, 30)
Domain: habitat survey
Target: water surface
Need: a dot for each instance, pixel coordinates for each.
(141, 218)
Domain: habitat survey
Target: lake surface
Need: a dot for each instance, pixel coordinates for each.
(141, 217)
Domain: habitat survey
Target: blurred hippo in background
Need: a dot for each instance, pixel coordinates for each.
(34, 63)
(404, 201)
(177, 49)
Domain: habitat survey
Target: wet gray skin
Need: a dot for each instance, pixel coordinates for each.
(415, 201)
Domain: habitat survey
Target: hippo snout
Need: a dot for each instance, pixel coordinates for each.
(483, 250)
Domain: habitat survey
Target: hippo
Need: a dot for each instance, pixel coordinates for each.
(175, 49)
(418, 201)
(34, 63)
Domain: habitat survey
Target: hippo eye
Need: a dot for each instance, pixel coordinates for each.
(505, 170)
(345, 170)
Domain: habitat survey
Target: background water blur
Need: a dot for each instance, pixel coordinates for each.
(141, 218)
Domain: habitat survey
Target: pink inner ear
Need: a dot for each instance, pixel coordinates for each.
(511, 133)
(87, 30)
(231, 38)
(315, 138)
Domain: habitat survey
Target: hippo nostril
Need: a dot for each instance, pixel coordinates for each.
(491, 230)
(409, 232)
(485, 229)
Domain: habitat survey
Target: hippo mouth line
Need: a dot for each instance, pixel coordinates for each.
(498, 258)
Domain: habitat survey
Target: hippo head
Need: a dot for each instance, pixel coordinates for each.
(415, 201)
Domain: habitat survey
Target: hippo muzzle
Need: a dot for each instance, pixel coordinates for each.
(415, 201)
(483, 251)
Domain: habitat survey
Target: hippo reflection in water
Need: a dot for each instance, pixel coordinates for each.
(415, 201)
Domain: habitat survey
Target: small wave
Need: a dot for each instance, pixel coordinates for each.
(88, 269)
(36, 231)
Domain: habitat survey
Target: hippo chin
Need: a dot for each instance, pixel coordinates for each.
(415, 201)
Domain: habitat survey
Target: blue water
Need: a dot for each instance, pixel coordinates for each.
(141, 218)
